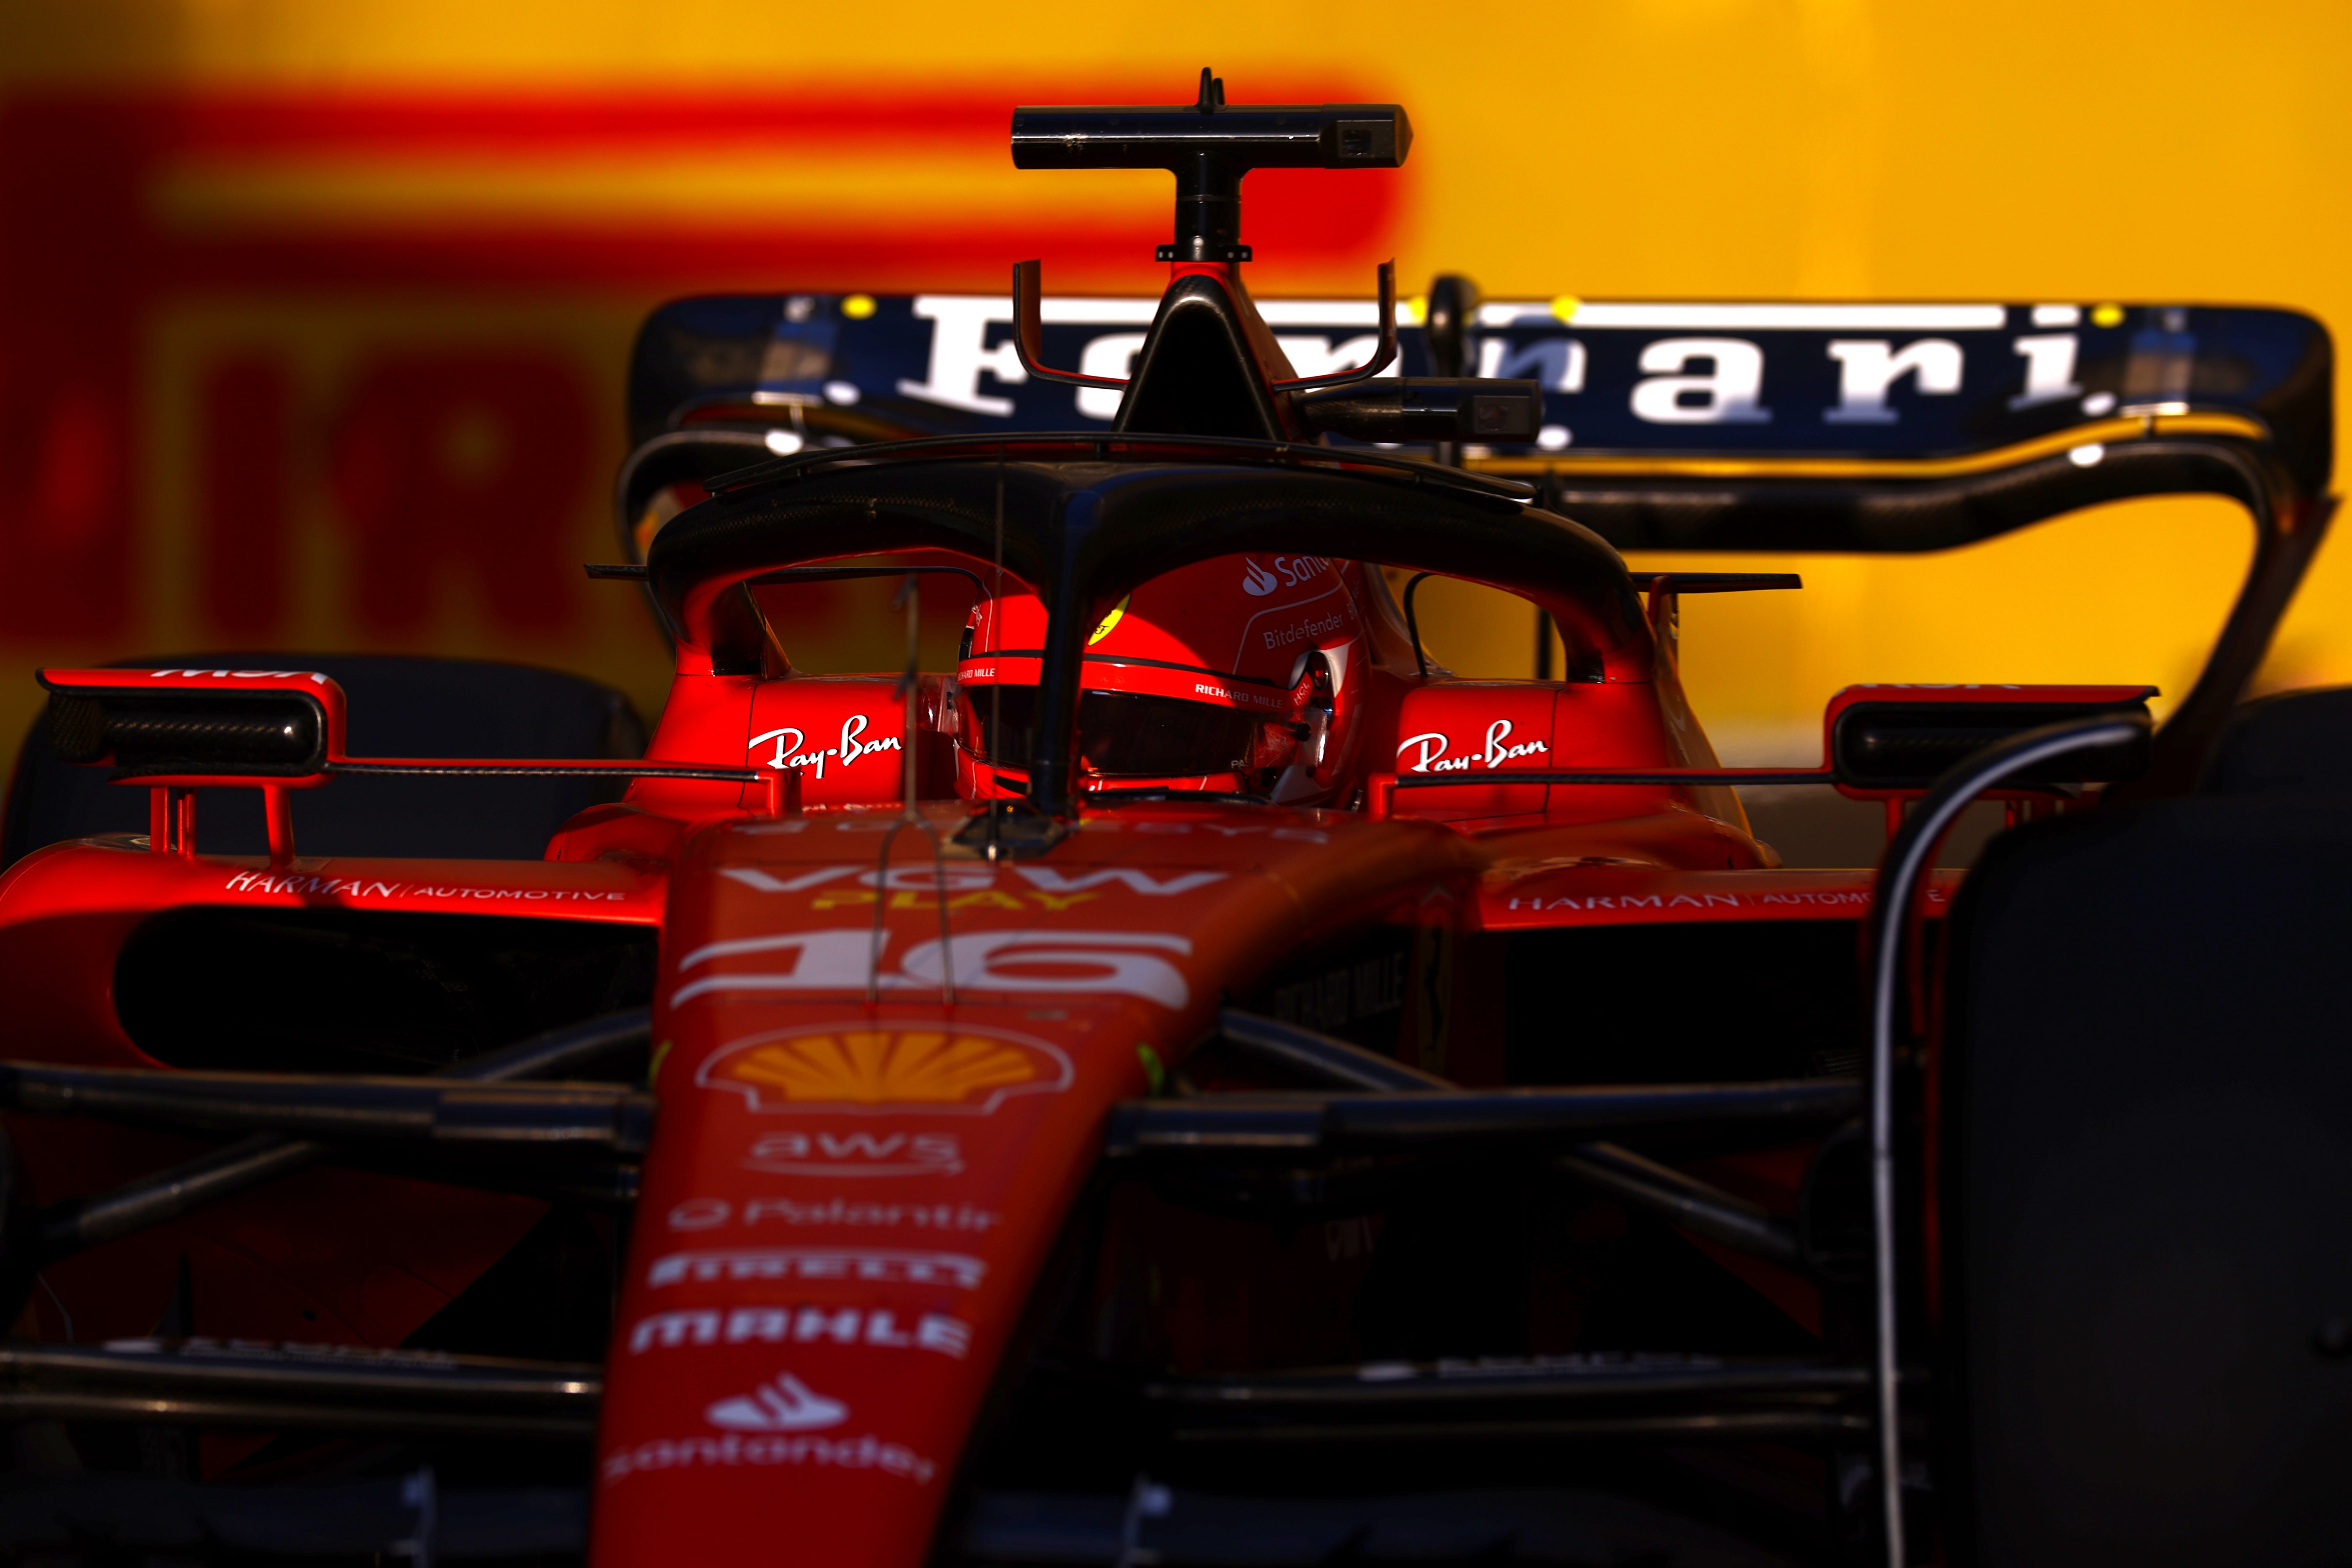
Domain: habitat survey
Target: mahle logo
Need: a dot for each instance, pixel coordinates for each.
(966, 1069)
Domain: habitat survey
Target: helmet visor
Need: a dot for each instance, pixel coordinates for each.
(1120, 733)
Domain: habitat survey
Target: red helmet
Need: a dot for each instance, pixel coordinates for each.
(1238, 674)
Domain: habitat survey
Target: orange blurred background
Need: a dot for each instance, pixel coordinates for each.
(314, 317)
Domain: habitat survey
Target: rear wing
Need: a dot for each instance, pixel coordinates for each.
(1817, 427)
(1821, 394)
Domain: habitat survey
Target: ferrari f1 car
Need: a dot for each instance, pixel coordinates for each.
(1194, 1082)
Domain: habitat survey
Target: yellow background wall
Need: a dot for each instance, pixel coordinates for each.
(2014, 150)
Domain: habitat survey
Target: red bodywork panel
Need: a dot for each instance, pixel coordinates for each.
(883, 1080)
(339, 1256)
(857, 1180)
(849, 1202)
(884, 1075)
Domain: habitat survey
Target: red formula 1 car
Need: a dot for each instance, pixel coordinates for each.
(1193, 1083)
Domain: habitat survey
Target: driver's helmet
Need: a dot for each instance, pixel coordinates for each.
(1240, 674)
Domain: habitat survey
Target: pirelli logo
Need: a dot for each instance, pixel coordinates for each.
(859, 1264)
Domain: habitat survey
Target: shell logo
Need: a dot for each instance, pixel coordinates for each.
(857, 1067)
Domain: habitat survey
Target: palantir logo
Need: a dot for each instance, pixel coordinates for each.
(1256, 580)
(784, 1403)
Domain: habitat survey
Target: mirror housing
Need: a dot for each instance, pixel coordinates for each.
(1427, 408)
(198, 726)
(1885, 741)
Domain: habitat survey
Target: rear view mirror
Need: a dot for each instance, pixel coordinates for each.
(198, 725)
(1900, 739)
(1424, 408)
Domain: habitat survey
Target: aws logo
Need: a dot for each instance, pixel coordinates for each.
(967, 1070)
(854, 1154)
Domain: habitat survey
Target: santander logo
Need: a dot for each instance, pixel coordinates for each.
(784, 1403)
(1429, 749)
(1290, 570)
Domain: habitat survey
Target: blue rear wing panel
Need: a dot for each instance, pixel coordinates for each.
(1628, 387)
